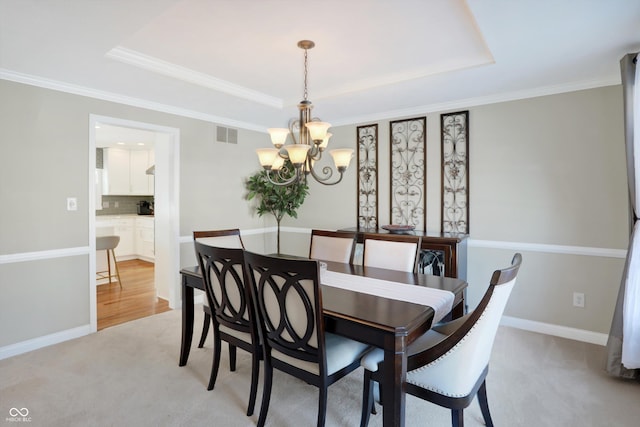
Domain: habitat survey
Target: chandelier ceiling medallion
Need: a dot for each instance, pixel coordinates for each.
(307, 149)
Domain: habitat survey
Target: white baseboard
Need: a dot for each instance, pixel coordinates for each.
(44, 341)
(555, 330)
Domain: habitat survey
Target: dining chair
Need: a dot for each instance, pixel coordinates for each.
(391, 251)
(288, 300)
(232, 308)
(228, 238)
(337, 246)
(108, 244)
(448, 365)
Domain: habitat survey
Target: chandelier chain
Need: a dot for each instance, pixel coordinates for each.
(305, 74)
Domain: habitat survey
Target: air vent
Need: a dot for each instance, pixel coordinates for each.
(227, 135)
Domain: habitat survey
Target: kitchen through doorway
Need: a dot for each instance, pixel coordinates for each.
(125, 206)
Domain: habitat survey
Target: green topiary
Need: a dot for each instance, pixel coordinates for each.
(278, 200)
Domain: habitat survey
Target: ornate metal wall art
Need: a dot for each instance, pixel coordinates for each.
(455, 172)
(368, 176)
(408, 179)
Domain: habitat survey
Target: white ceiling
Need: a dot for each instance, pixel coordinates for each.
(236, 62)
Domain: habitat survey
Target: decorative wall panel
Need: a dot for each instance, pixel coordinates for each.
(368, 176)
(455, 172)
(408, 178)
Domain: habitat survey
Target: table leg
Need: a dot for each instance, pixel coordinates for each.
(187, 321)
(393, 395)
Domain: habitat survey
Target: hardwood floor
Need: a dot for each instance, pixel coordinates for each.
(135, 300)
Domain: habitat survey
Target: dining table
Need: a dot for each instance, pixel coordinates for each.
(387, 323)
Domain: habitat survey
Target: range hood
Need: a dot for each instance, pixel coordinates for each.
(151, 170)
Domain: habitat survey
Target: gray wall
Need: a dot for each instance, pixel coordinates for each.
(44, 141)
(547, 176)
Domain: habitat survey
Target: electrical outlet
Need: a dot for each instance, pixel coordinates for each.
(105, 205)
(578, 299)
(116, 204)
(72, 204)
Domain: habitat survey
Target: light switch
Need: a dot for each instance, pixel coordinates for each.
(72, 204)
(105, 205)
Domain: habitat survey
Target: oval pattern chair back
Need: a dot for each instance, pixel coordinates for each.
(393, 252)
(108, 244)
(288, 299)
(333, 246)
(227, 238)
(232, 309)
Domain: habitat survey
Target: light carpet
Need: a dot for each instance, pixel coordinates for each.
(128, 375)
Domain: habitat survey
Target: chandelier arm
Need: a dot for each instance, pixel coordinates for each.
(315, 153)
(294, 125)
(291, 180)
(328, 172)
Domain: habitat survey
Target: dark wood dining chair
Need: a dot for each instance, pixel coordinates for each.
(288, 300)
(391, 251)
(448, 365)
(233, 316)
(337, 246)
(228, 238)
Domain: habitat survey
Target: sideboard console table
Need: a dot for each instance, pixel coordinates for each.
(443, 254)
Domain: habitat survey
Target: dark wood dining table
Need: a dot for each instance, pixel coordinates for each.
(382, 322)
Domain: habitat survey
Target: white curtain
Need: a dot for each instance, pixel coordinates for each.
(623, 346)
(631, 312)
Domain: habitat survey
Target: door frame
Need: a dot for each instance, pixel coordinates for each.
(167, 209)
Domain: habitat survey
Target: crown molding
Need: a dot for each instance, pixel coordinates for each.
(122, 99)
(159, 66)
(354, 120)
(478, 101)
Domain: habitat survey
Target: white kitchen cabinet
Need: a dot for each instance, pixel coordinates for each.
(116, 171)
(144, 238)
(139, 178)
(126, 172)
(125, 228)
(119, 226)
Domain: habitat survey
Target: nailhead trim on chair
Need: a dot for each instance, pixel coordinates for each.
(453, 350)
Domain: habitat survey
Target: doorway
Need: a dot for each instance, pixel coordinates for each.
(166, 215)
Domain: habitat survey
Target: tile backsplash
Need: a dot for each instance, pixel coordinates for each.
(125, 204)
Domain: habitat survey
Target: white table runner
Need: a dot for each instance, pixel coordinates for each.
(441, 301)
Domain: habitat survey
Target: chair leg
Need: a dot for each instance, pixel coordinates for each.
(457, 417)
(232, 357)
(115, 263)
(322, 405)
(484, 404)
(266, 392)
(255, 374)
(109, 264)
(216, 359)
(205, 329)
(367, 399)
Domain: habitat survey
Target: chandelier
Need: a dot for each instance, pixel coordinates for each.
(307, 149)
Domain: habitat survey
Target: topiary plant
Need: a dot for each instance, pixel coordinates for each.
(278, 200)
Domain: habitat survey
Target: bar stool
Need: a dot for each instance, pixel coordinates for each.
(108, 243)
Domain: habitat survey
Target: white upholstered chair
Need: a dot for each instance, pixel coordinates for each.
(337, 246)
(448, 365)
(391, 251)
(288, 300)
(228, 238)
